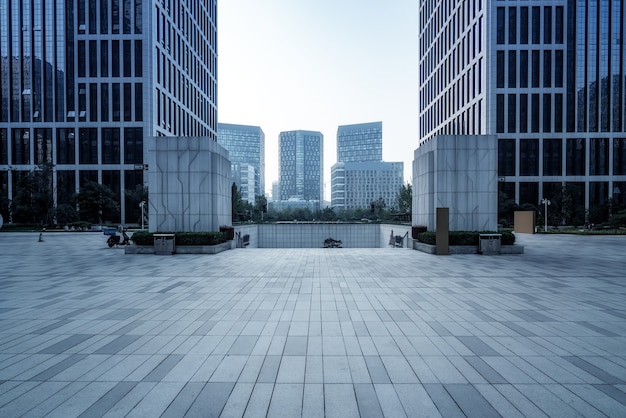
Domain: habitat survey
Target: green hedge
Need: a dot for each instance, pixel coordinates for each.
(465, 237)
(182, 238)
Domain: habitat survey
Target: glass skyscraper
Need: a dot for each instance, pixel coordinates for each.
(360, 176)
(246, 149)
(85, 81)
(547, 77)
(301, 159)
(360, 142)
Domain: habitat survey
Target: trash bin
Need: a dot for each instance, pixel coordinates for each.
(489, 243)
(164, 244)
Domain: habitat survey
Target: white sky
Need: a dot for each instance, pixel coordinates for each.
(316, 64)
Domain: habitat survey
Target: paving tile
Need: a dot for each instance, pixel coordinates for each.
(367, 400)
(340, 401)
(286, 400)
(281, 332)
(259, 400)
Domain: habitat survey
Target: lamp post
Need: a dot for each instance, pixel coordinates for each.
(545, 203)
(142, 205)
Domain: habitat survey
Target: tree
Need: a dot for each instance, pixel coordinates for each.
(97, 203)
(133, 198)
(33, 198)
(506, 209)
(405, 199)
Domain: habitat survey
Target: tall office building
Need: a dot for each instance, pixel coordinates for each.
(355, 185)
(301, 155)
(246, 148)
(546, 77)
(360, 176)
(360, 142)
(84, 82)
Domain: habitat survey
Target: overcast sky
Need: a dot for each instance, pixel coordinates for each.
(316, 64)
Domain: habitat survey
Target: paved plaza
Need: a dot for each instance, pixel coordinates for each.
(89, 331)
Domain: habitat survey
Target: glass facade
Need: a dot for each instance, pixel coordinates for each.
(246, 146)
(553, 80)
(77, 93)
(301, 155)
(360, 142)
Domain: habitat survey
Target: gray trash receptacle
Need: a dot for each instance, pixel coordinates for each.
(489, 243)
(164, 244)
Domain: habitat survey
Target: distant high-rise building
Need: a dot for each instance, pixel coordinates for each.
(275, 190)
(85, 82)
(360, 142)
(301, 155)
(360, 176)
(355, 185)
(246, 147)
(546, 77)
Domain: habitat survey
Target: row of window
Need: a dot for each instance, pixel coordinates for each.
(108, 102)
(183, 121)
(559, 158)
(535, 69)
(109, 16)
(530, 25)
(599, 192)
(468, 121)
(102, 59)
(93, 146)
(529, 113)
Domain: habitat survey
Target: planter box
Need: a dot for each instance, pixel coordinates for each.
(180, 249)
(466, 249)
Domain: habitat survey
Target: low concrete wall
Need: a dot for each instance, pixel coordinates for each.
(466, 249)
(312, 235)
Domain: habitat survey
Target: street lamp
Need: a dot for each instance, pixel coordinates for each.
(142, 205)
(545, 203)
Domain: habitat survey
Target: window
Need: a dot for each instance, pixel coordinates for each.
(500, 69)
(500, 113)
(528, 193)
(512, 69)
(534, 113)
(536, 25)
(535, 68)
(104, 102)
(575, 157)
(512, 113)
(500, 28)
(558, 113)
(524, 25)
(529, 157)
(20, 144)
(133, 145)
(506, 157)
(127, 59)
(547, 107)
(512, 25)
(88, 152)
(104, 58)
(523, 113)
(598, 157)
(523, 69)
(110, 146)
(552, 157)
(65, 146)
(547, 25)
(619, 158)
(547, 68)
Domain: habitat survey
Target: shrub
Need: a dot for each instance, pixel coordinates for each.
(465, 237)
(182, 238)
(228, 230)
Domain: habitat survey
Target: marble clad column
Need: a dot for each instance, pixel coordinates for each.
(189, 185)
(458, 172)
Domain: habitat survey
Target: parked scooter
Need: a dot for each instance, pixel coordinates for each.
(114, 239)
